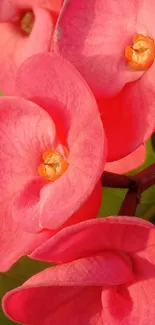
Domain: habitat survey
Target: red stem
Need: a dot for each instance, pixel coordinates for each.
(146, 178)
(131, 200)
(136, 184)
(116, 181)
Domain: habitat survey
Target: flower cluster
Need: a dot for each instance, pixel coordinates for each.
(79, 101)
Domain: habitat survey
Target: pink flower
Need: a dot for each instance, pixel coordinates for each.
(26, 28)
(112, 45)
(52, 154)
(128, 163)
(108, 277)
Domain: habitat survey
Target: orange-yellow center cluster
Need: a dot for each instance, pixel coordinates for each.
(53, 166)
(27, 22)
(141, 54)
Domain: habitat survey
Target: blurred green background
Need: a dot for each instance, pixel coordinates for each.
(112, 200)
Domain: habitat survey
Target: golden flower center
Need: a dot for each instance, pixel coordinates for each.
(27, 22)
(53, 166)
(141, 54)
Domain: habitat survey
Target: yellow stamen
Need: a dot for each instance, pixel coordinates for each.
(141, 54)
(27, 22)
(54, 165)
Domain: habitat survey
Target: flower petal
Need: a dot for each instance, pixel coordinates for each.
(69, 285)
(73, 108)
(29, 205)
(90, 237)
(21, 147)
(89, 209)
(70, 306)
(62, 198)
(20, 153)
(145, 19)
(128, 163)
(11, 9)
(144, 263)
(15, 47)
(94, 40)
(14, 242)
(62, 88)
(129, 118)
(133, 305)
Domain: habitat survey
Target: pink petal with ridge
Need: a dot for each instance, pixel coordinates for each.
(93, 236)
